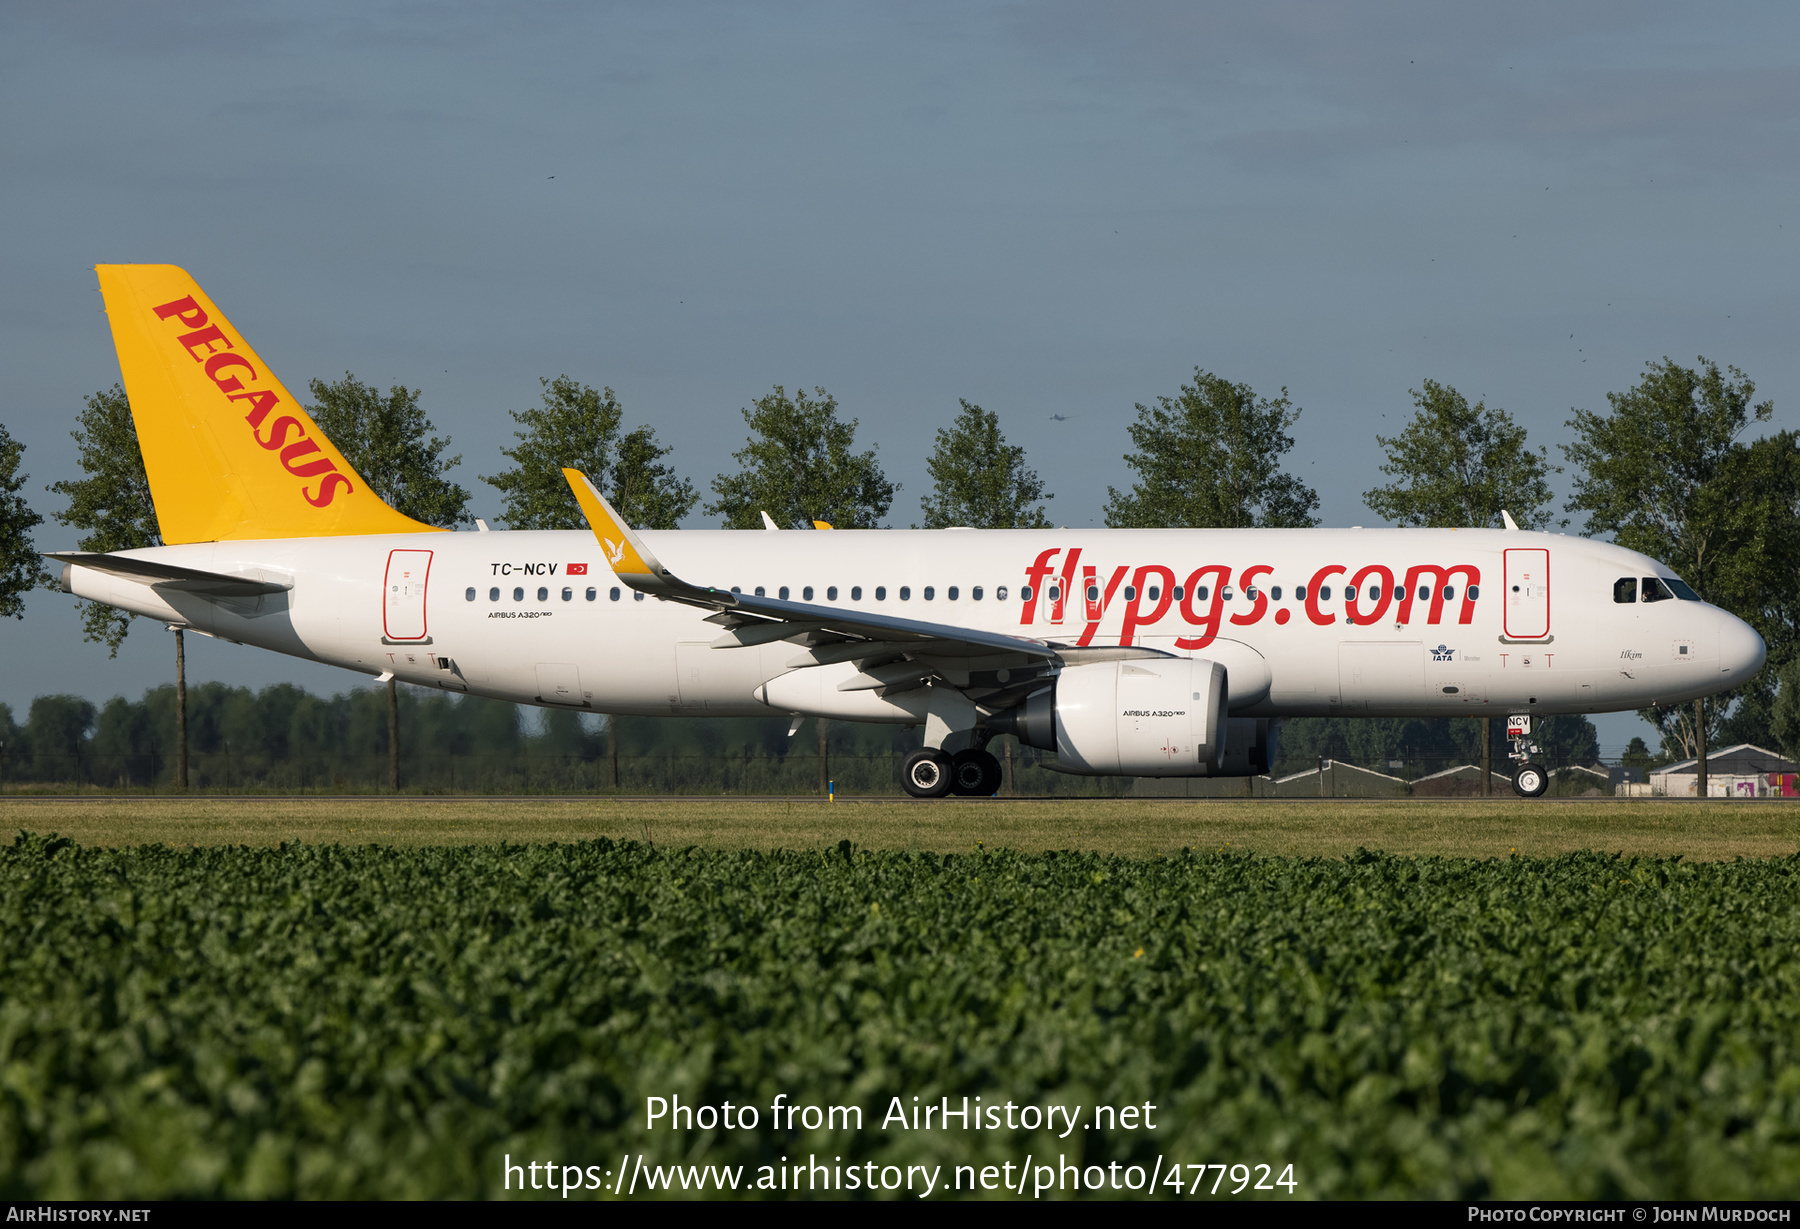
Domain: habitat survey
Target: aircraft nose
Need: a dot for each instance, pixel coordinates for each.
(1741, 651)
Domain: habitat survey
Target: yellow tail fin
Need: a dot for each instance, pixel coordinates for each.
(229, 452)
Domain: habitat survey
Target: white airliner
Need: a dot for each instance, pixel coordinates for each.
(1142, 652)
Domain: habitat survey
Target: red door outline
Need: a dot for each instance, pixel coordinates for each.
(387, 581)
(1533, 559)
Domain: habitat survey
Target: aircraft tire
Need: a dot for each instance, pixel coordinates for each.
(974, 774)
(1531, 780)
(926, 774)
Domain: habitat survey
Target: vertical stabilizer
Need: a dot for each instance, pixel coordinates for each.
(229, 452)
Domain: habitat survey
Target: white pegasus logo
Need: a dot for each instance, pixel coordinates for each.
(615, 551)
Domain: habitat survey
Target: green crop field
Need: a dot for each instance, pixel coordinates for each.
(398, 1020)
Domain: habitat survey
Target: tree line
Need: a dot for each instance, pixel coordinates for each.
(283, 738)
(1666, 470)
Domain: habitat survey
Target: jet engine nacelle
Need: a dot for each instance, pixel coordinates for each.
(1154, 717)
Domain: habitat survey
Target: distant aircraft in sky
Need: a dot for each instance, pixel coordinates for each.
(1139, 652)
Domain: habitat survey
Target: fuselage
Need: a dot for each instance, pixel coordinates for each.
(1375, 622)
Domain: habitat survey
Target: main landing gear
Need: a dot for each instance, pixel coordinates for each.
(1530, 779)
(930, 773)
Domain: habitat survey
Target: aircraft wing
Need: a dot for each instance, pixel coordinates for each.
(880, 644)
(169, 576)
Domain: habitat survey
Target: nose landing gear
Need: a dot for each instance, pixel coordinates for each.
(1530, 779)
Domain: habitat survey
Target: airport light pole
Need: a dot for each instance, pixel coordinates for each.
(1700, 743)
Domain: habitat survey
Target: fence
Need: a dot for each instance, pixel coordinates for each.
(741, 773)
(853, 775)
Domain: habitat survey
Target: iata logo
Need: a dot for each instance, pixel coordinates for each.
(208, 345)
(1441, 653)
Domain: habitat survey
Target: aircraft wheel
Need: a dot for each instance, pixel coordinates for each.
(926, 774)
(974, 774)
(1530, 781)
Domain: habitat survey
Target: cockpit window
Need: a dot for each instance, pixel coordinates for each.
(1625, 589)
(1681, 589)
(1655, 590)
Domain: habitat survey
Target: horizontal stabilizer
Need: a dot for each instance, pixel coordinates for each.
(168, 575)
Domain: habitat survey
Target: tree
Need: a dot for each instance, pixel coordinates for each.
(389, 442)
(980, 480)
(798, 466)
(576, 427)
(1666, 474)
(113, 504)
(579, 428)
(1456, 466)
(1210, 459)
(21, 567)
(647, 493)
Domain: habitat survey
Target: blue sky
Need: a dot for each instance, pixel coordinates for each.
(1044, 208)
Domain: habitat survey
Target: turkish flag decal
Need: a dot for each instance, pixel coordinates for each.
(577, 569)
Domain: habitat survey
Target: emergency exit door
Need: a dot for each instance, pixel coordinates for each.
(1527, 593)
(403, 597)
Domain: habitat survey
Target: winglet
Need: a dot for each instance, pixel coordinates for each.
(625, 551)
(1507, 517)
(821, 524)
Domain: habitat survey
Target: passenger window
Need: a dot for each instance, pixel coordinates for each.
(1200, 594)
(568, 595)
(543, 593)
(1449, 593)
(881, 593)
(1130, 593)
(759, 591)
(1179, 594)
(806, 594)
(1681, 590)
(1656, 591)
(906, 593)
(950, 593)
(1250, 593)
(1155, 593)
(1625, 590)
(1424, 593)
(1299, 593)
(519, 594)
(637, 595)
(615, 593)
(592, 594)
(1324, 593)
(1093, 594)
(974, 594)
(999, 593)
(1024, 593)
(929, 593)
(470, 595)
(494, 594)
(1055, 593)
(856, 593)
(782, 593)
(1375, 593)
(1474, 592)
(830, 593)
(1274, 592)
(1349, 593)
